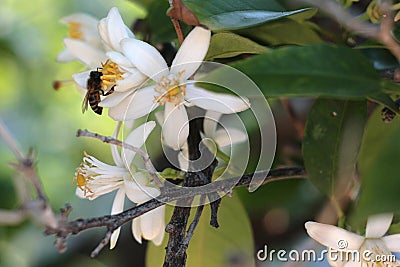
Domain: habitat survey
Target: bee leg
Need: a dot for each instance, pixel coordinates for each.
(109, 92)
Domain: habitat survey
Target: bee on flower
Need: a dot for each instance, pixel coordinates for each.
(172, 87)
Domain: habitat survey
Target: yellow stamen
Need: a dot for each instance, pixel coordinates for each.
(75, 30)
(111, 74)
(82, 181)
(170, 90)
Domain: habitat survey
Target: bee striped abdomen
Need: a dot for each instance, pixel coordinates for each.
(94, 100)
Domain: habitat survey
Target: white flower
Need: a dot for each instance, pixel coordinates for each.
(117, 70)
(82, 32)
(223, 138)
(374, 243)
(95, 178)
(172, 88)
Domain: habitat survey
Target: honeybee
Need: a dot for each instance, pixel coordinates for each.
(94, 89)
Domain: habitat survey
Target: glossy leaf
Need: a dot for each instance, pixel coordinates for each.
(381, 58)
(237, 14)
(283, 31)
(224, 45)
(379, 168)
(214, 247)
(331, 144)
(315, 70)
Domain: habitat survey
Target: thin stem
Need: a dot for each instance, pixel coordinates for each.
(101, 245)
(178, 30)
(382, 34)
(12, 144)
(192, 226)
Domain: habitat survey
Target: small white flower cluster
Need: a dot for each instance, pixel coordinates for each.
(137, 81)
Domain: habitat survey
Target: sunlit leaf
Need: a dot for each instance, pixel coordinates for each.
(331, 144)
(224, 45)
(237, 14)
(214, 247)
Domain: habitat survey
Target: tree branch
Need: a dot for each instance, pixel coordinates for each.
(36, 208)
(382, 34)
(168, 195)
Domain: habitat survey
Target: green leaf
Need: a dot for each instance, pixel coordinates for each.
(224, 45)
(159, 24)
(237, 14)
(283, 31)
(385, 100)
(331, 144)
(315, 70)
(210, 246)
(379, 168)
(308, 14)
(381, 57)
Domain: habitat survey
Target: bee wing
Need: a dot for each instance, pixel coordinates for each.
(85, 102)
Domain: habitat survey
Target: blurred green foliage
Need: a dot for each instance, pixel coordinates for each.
(47, 120)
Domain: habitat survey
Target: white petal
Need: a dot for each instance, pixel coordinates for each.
(152, 223)
(114, 237)
(211, 119)
(81, 18)
(130, 81)
(175, 129)
(192, 52)
(136, 138)
(229, 136)
(90, 56)
(338, 260)
(136, 231)
(114, 149)
(118, 204)
(118, 58)
(377, 225)
(159, 238)
(392, 242)
(103, 32)
(117, 207)
(81, 78)
(146, 58)
(65, 56)
(140, 103)
(114, 99)
(222, 103)
(117, 29)
(79, 193)
(330, 236)
(139, 194)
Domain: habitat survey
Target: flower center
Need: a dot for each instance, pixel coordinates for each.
(111, 74)
(170, 89)
(82, 180)
(75, 30)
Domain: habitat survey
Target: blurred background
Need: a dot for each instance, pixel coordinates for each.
(47, 120)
